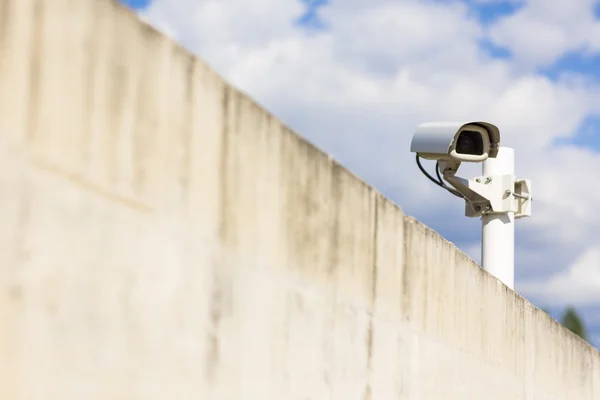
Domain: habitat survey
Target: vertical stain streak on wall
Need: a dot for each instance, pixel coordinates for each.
(227, 171)
(374, 281)
(148, 157)
(334, 228)
(145, 125)
(407, 263)
(224, 221)
(185, 151)
(90, 93)
(113, 136)
(35, 69)
(226, 234)
(216, 308)
(5, 9)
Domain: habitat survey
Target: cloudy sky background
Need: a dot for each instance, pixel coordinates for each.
(357, 77)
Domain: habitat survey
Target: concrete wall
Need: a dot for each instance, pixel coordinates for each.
(162, 236)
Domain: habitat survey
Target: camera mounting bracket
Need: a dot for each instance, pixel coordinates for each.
(493, 194)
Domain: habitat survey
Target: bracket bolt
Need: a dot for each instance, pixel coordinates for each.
(477, 180)
(507, 193)
(488, 179)
(477, 208)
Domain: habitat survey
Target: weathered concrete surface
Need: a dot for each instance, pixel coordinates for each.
(164, 237)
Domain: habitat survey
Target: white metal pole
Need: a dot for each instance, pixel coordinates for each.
(498, 230)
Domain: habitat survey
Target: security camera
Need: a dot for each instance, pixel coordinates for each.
(450, 144)
(456, 141)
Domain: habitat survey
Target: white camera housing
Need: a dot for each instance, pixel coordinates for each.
(456, 141)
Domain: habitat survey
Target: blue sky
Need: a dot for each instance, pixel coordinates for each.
(531, 66)
(137, 4)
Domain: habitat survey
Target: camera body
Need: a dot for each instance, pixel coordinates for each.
(456, 141)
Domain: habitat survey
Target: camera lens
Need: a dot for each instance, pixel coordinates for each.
(469, 142)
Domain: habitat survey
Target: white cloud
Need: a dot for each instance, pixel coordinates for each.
(577, 285)
(542, 31)
(359, 88)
